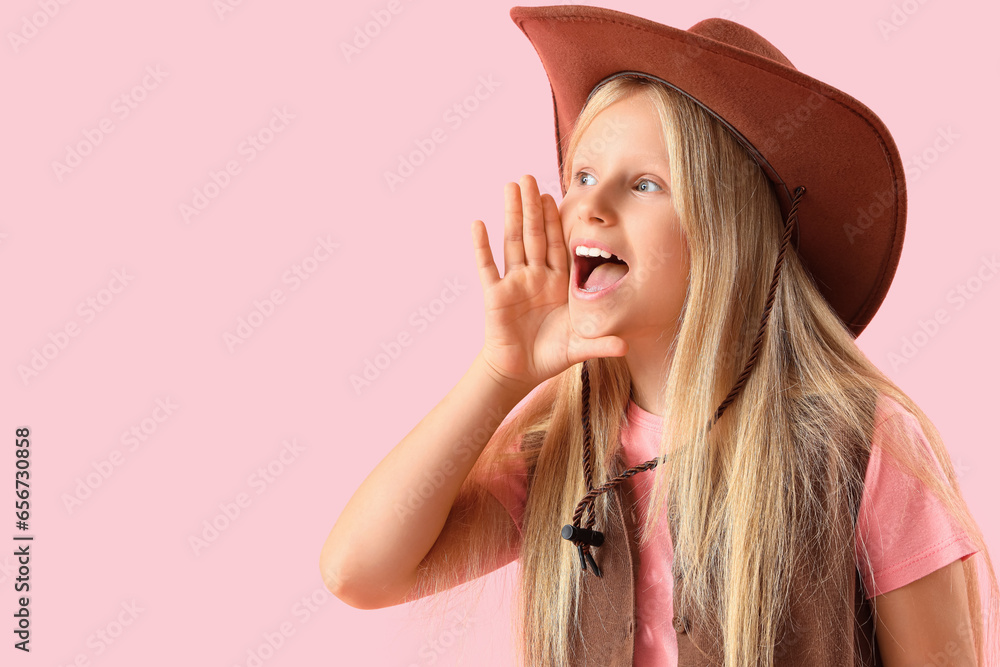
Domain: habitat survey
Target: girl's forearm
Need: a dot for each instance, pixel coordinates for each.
(391, 522)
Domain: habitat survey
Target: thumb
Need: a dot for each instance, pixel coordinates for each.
(581, 349)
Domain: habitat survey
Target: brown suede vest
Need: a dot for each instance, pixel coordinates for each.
(822, 636)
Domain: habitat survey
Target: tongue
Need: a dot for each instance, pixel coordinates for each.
(604, 275)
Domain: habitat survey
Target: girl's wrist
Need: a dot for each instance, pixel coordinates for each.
(512, 389)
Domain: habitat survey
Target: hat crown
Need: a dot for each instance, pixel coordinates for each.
(739, 36)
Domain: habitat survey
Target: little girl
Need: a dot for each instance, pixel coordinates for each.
(690, 309)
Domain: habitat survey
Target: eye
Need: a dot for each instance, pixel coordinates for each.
(576, 177)
(648, 182)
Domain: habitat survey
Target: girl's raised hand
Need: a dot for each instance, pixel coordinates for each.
(528, 333)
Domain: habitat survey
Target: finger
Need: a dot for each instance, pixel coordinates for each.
(488, 274)
(557, 255)
(513, 247)
(534, 229)
(581, 349)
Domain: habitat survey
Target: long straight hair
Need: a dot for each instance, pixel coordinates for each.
(740, 532)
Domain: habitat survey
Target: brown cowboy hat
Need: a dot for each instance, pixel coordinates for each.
(801, 131)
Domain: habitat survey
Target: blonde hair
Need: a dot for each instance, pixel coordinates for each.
(749, 510)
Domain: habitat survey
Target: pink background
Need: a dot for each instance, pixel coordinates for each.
(159, 338)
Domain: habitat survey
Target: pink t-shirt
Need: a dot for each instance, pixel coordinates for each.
(904, 527)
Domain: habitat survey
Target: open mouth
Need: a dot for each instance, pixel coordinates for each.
(594, 274)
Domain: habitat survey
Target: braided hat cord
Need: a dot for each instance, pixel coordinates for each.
(585, 537)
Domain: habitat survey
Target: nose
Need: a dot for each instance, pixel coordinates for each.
(595, 206)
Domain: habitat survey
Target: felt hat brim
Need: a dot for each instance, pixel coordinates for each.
(801, 131)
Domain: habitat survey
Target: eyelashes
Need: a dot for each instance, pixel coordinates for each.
(657, 186)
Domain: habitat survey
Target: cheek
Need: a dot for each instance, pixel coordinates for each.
(564, 218)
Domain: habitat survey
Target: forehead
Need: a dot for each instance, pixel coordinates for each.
(629, 127)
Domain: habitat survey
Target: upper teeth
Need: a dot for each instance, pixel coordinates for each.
(584, 251)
